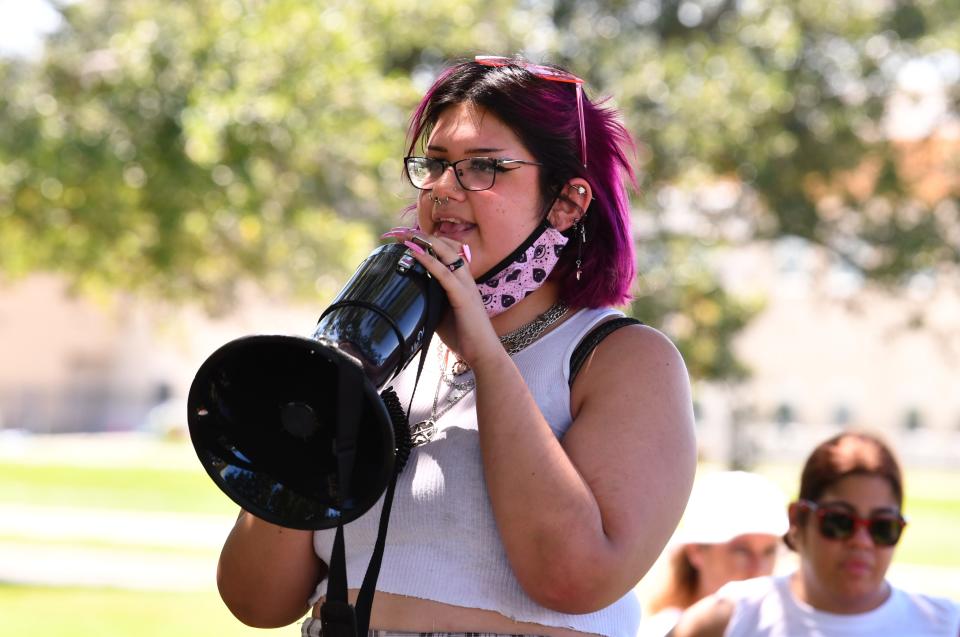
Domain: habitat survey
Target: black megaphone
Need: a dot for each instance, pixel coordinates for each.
(293, 429)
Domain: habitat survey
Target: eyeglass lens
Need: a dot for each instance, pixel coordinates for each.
(840, 525)
(472, 173)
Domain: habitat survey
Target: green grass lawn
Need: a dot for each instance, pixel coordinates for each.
(933, 507)
(181, 490)
(28, 611)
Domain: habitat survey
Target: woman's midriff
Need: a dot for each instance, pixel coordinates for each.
(412, 614)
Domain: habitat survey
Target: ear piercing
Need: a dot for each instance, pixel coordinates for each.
(580, 190)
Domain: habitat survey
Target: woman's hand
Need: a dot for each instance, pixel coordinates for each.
(449, 263)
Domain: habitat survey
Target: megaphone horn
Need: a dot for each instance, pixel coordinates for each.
(293, 429)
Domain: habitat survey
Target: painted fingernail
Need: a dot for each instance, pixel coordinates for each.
(465, 252)
(390, 234)
(413, 246)
(403, 229)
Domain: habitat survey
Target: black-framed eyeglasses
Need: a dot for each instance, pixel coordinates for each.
(836, 523)
(472, 173)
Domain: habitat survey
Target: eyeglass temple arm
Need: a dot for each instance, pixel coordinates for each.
(583, 128)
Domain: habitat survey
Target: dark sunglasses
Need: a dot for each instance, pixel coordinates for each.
(838, 524)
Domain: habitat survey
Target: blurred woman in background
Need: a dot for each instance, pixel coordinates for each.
(844, 527)
(730, 531)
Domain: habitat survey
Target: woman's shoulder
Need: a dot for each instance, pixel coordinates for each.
(637, 346)
(629, 331)
(931, 609)
(713, 614)
(707, 618)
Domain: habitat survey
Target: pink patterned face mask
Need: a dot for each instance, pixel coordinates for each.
(523, 271)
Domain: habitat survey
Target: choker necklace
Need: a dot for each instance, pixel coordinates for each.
(523, 336)
(527, 334)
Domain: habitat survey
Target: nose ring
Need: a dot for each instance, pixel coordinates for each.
(437, 201)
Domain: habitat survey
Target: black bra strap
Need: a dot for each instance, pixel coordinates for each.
(592, 339)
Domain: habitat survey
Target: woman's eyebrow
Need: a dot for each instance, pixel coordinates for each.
(469, 151)
(846, 505)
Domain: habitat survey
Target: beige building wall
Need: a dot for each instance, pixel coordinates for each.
(76, 364)
(824, 345)
(835, 353)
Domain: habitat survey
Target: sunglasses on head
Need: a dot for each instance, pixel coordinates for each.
(546, 73)
(836, 523)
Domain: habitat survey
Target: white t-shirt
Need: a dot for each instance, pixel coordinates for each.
(766, 607)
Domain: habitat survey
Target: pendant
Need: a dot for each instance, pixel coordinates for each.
(422, 432)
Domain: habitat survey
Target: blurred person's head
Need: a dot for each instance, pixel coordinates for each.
(846, 522)
(730, 531)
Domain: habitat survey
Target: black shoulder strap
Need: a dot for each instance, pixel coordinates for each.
(592, 339)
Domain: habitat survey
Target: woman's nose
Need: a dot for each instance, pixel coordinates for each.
(861, 536)
(448, 180)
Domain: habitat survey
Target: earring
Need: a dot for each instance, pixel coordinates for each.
(582, 227)
(581, 190)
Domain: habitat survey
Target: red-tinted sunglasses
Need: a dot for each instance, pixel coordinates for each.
(546, 73)
(839, 524)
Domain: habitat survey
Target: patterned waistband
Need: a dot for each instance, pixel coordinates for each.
(311, 628)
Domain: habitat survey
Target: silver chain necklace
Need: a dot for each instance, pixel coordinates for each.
(423, 431)
(515, 341)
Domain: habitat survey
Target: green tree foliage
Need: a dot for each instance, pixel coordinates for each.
(761, 119)
(178, 148)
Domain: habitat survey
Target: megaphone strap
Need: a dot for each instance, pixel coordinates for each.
(337, 617)
(342, 619)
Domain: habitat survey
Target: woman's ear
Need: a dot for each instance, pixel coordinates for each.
(795, 516)
(571, 204)
(694, 554)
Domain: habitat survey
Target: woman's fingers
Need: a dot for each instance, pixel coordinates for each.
(450, 254)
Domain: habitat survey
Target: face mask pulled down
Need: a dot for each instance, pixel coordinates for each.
(523, 271)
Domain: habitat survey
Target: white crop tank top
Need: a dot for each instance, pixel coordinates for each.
(442, 542)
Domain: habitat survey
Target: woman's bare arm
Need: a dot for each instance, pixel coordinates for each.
(267, 572)
(583, 520)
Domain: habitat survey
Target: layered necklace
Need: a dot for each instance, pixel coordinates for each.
(512, 342)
